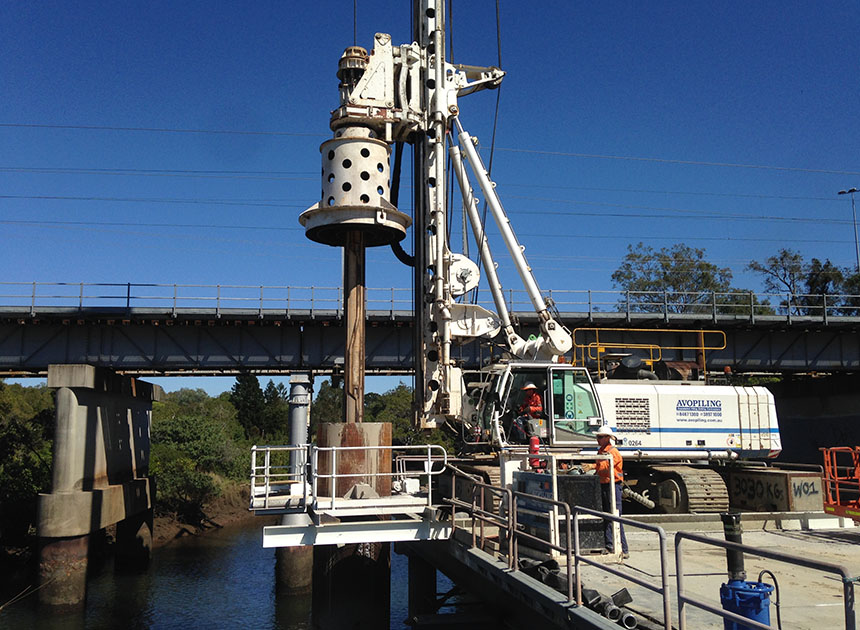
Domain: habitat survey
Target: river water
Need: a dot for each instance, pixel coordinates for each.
(224, 579)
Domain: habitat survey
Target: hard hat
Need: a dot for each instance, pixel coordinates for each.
(529, 386)
(604, 430)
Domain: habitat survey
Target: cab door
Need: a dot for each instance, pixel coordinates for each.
(573, 407)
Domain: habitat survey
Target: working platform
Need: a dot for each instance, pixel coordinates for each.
(301, 479)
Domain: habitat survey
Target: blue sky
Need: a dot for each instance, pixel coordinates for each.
(728, 126)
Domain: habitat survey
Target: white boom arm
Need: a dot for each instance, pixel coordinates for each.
(555, 339)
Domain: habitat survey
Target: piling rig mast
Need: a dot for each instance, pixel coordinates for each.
(408, 94)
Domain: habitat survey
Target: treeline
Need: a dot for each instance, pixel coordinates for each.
(200, 444)
(680, 279)
(26, 438)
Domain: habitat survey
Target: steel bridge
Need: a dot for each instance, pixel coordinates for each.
(146, 329)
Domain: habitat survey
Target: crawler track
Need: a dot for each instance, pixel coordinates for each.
(702, 490)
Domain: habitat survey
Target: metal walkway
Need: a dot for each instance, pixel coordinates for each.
(480, 538)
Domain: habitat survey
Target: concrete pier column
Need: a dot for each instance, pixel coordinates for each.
(422, 587)
(134, 541)
(294, 565)
(352, 583)
(99, 476)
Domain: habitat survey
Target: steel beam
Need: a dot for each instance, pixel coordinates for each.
(356, 532)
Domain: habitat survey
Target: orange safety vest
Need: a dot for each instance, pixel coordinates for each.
(603, 467)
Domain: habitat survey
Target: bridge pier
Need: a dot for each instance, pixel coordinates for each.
(421, 587)
(99, 477)
(352, 583)
(294, 566)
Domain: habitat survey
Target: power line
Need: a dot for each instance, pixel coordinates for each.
(701, 193)
(143, 172)
(634, 237)
(631, 158)
(702, 215)
(596, 156)
(234, 132)
(691, 213)
(158, 225)
(279, 175)
(216, 202)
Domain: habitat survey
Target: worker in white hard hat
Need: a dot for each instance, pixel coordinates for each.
(611, 476)
(532, 404)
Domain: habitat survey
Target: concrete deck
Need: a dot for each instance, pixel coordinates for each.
(808, 599)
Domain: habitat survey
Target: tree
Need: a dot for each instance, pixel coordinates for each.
(807, 284)
(782, 273)
(395, 406)
(328, 405)
(680, 271)
(276, 413)
(196, 443)
(250, 404)
(26, 424)
(851, 291)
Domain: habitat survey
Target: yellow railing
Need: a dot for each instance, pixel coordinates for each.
(589, 347)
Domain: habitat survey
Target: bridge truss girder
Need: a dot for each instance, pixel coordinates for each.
(208, 342)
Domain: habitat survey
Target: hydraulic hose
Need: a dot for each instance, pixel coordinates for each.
(776, 596)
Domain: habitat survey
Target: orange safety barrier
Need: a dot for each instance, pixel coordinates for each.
(842, 481)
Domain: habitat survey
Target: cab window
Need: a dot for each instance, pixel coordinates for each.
(575, 411)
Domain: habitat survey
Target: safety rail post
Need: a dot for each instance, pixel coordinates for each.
(33, 302)
(333, 477)
(847, 579)
(714, 305)
(475, 515)
(568, 547)
(628, 305)
(218, 302)
(261, 301)
(268, 462)
(253, 472)
(392, 303)
(312, 302)
(665, 306)
(824, 308)
(752, 307)
(590, 308)
(81, 298)
(513, 541)
(662, 590)
(315, 459)
(483, 529)
(788, 310)
(306, 469)
(428, 468)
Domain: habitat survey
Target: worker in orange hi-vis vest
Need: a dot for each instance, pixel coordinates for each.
(611, 475)
(532, 405)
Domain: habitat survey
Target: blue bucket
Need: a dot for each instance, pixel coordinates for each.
(748, 599)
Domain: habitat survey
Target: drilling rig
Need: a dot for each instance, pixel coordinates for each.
(394, 95)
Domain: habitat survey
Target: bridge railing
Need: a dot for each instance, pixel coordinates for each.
(176, 298)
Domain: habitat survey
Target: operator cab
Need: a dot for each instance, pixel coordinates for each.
(570, 412)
